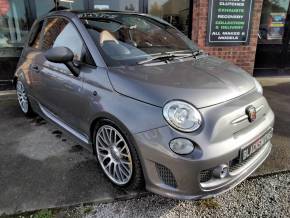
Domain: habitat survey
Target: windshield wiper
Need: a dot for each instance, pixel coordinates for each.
(166, 57)
(188, 53)
(173, 55)
(180, 52)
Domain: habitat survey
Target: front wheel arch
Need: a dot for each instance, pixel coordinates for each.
(102, 117)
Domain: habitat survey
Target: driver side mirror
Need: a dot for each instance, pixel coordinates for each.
(62, 55)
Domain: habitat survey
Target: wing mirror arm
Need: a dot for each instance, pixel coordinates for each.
(74, 70)
(63, 55)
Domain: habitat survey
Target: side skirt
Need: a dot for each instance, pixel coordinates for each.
(81, 138)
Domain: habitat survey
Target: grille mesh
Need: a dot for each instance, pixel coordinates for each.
(166, 175)
(205, 175)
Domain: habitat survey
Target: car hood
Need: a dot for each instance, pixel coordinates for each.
(203, 82)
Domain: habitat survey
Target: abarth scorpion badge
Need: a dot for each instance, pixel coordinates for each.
(252, 113)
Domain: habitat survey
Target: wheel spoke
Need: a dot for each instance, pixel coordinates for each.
(123, 148)
(115, 137)
(104, 156)
(103, 152)
(124, 170)
(103, 137)
(125, 162)
(112, 168)
(103, 149)
(119, 172)
(125, 155)
(119, 141)
(108, 136)
(102, 143)
(108, 164)
(111, 136)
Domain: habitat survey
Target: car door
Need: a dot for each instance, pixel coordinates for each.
(60, 89)
(29, 60)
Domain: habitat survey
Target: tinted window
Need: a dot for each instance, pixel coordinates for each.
(59, 32)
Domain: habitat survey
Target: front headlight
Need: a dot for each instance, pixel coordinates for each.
(258, 86)
(182, 116)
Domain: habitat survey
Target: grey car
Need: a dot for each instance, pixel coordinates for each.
(154, 109)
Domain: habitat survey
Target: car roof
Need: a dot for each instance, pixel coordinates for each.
(82, 13)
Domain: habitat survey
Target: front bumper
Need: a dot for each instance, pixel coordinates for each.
(176, 176)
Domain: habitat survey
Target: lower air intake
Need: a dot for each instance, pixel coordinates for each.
(166, 175)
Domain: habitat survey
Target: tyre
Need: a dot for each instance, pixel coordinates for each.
(23, 99)
(117, 156)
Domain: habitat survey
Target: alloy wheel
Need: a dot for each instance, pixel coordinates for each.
(114, 155)
(22, 97)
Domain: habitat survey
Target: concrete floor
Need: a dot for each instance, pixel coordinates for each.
(277, 91)
(42, 168)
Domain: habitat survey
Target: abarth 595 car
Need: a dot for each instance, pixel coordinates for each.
(156, 111)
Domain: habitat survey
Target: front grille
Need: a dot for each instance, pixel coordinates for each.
(166, 175)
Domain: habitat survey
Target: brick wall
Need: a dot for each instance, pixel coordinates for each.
(243, 56)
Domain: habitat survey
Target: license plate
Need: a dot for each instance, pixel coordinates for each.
(246, 152)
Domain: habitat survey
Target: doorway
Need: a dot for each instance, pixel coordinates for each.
(273, 50)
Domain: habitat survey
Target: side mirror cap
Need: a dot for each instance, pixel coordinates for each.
(59, 55)
(62, 55)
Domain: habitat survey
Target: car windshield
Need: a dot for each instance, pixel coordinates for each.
(130, 39)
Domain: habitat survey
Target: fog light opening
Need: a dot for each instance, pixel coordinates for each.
(221, 171)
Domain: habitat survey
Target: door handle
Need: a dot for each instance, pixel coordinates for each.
(35, 67)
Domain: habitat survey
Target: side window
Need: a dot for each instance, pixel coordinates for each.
(59, 32)
(34, 40)
(70, 38)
